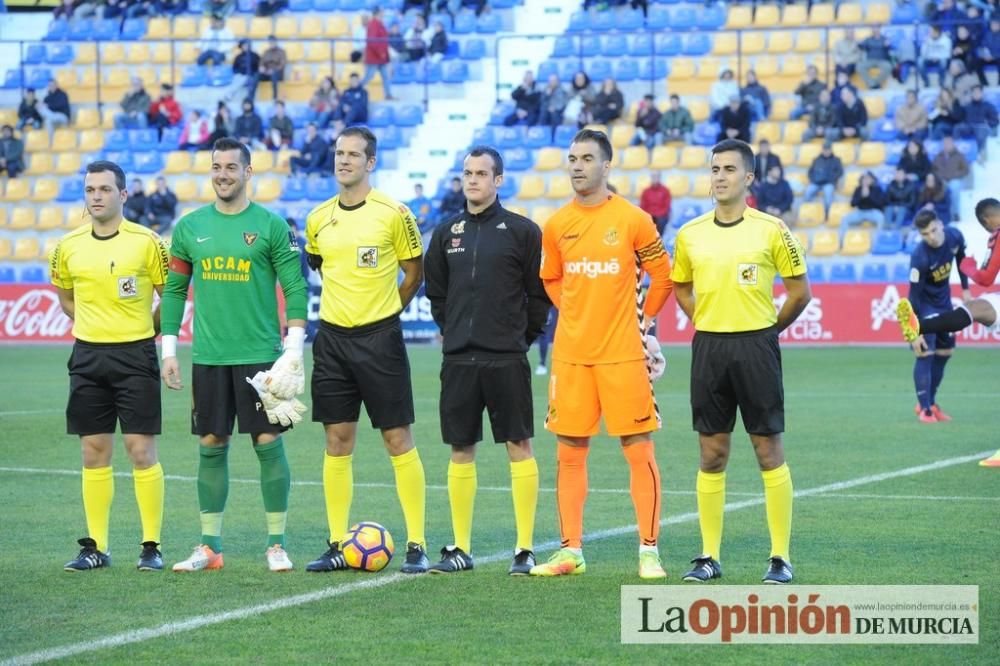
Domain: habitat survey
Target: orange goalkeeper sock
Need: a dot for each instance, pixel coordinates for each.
(571, 492)
(645, 488)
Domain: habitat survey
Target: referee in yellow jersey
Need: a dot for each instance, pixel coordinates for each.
(725, 262)
(359, 241)
(105, 273)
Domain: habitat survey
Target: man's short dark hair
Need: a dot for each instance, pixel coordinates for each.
(456, 179)
(675, 96)
(598, 137)
(479, 151)
(735, 145)
(101, 166)
(987, 207)
(228, 143)
(371, 143)
(924, 219)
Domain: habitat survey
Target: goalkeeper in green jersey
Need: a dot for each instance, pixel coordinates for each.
(233, 251)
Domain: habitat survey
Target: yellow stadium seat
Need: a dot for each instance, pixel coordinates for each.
(782, 107)
(67, 164)
(810, 214)
(531, 187)
(871, 154)
(702, 187)
(838, 210)
(311, 27)
(635, 157)
(187, 53)
(67, 78)
(846, 152)
(857, 243)
(808, 153)
(3, 216)
(186, 189)
(682, 68)
(699, 109)
(202, 163)
(48, 246)
(50, 217)
(803, 239)
(641, 182)
(63, 139)
(35, 141)
(785, 152)
(559, 188)
(318, 52)
(794, 15)
(87, 118)
(267, 189)
(809, 41)
(206, 193)
(849, 182)
(752, 42)
(621, 135)
(27, 248)
(794, 66)
(138, 54)
(262, 161)
(793, 130)
(769, 130)
(711, 68)
(693, 157)
(237, 24)
(45, 190)
(158, 27)
(23, 218)
(548, 159)
(541, 214)
(825, 243)
(678, 184)
(878, 14)
(849, 13)
(336, 26)
(6, 248)
(295, 51)
(112, 53)
(162, 53)
(17, 191)
(286, 27)
(86, 54)
(39, 164)
(518, 210)
(623, 184)
(91, 141)
(177, 162)
(150, 78)
(724, 46)
(821, 14)
(740, 16)
(663, 157)
(875, 106)
(261, 27)
(765, 67)
(301, 74)
(185, 27)
(780, 42)
(767, 16)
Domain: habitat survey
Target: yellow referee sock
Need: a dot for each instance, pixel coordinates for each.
(411, 488)
(98, 491)
(149, 496)
(462, 485)
(338, 488)
(711, 487)
(524, 490)
(778, 502)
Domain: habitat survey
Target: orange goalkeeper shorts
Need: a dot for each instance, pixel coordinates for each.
(580, 394)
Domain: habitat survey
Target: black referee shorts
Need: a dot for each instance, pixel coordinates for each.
(221, 394)
(365, 364)
(503, 387)
(730, 370)
(113, 383)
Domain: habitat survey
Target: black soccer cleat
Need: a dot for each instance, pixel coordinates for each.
(150, 559)
(779, 572)
(331, 560)
(453, 560)
(524, 559)
(416, 559)
(705, 568)
(89, 557)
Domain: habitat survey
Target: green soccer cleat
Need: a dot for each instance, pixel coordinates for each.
(649, 566)
(564, 562)
(908, 322)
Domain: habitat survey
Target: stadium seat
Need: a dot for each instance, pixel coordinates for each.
(147, 163)
(837, 211)
(849, 13)
(474, 49)
(105, 30)
(559, 188)
(50, 217)
(58, 30)
(740, 16)
(766, 16)
(843, 273)
(80, 30)
(59, 54)
(39, 77)
(678, 184)
(808, 41)
(879, 13)
(622, 183)
(702, 187)
(846, 151)
(87, 118)
(70, 190)
(871, 153)
(874, 273)
(263, 161)
(532, 187)
(541, 214)
(409, 115)
(770, 130)
(887, 242)
(810, 214)
(7, 275)
(17, 191)
(201, 163)
(621, 135)
(816, 272)
(186, 189)
(518, 159)
(548, 159)
(26, 248)
(803, 239)
(510, 137)
(67, 164)
(849, 182)
(635, 157)
(807, 154)
(45, 190)
(381, 115)
(857, 243)
(488, 24)
(693, 157)
(39, 163)
(825, 243)
(663, 157)
(464, 24)
(143, 140)
(266, 190)
(508, 188)
(22, 218)
(667, 44)
(751, 42)
(35, 54)
(781, 42)
(537, 136)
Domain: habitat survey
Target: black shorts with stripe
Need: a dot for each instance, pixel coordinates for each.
(364, 364)
(114, 383)
(502, 387)
(221, 394)
(737, 370)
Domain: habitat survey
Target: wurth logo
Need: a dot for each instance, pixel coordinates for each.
(592, 268)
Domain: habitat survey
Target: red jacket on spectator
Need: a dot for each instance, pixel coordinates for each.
(169, 107)
(377, 45)
(655, 200)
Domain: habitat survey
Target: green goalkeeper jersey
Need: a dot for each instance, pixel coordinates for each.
(234, 261)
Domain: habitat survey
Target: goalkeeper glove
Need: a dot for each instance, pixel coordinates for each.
(286, 411)
(656, 363)
(286, 378)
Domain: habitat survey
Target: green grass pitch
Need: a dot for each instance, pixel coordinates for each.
(850, 415)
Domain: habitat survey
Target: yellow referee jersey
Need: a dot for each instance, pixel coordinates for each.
(112, 281)
(733, 267)
(361, 247)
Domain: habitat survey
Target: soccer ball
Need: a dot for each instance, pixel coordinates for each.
(367, 546)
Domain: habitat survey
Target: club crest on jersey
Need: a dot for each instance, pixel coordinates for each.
(127, 287)
(367, 257)
(747, 273)
(455, 242)
(250, 238)
(611, 237)
(458, 227)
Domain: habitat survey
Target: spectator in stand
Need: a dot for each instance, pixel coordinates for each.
(354, 103)
(249, 128)
(842, 82)
(195, 134)
(270, 7)
(824, 173)
(216, 40)
(935, 196)
(134, 105)
(774, 195)
(325, 103)
(951, 168)
(676, 123)
(975, 22)
(453, 202)
(165, 111)
(171, 7)
(868, 202)
(397, 44)
(852, 117)
(946, 114)
(963, 47)
(377, 53)
(647, 123)
(246, 73)
(655, 200)
(947, 17)
(554, 101)
(980, 120)
(422, 208)
(437, 47)
(312, 154)
(876, 54)
(915, 162)
(959, 82)
(11, 152)
(55, 108)
(934, 53)
(756, 96)
(272, 65)
(822, 120)
(359, 37)
(734, 121)
(764, 160)
(581, 101)
(279, 128)
(219, 7)
(911, 118)
(416, 43)
(846, 53)
(27, 111)
(988, 52)
(808, 93)
(223, 125)
(65, 8)
(722, 92)
(161, 208)
(609, 103)
(900, 200)
(134, 208)
(528, 100)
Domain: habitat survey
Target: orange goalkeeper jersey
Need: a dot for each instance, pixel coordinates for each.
(593, 258)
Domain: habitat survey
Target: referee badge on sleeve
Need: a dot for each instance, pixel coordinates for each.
(127, 288)
(747, 273)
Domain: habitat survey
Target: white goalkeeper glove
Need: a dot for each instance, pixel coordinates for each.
(286, 378)
(287, 411)
(656, 363)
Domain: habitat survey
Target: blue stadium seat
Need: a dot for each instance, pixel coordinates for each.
(711, 18)
(245, 6)
(564, 47)
(59, 54)
(122, 158)
(599, 69)
(34, 55)
(875, 273)
(906, 13)
(683, 18)
(968, 148)
(7, 275)
(324, 6)
(887, 242)
(143, 140)
(390, 138)
(843, 272)
(539, 136)
(658, 18)
(500, 111)
(459, 162)
(428, 72)
(626, 69)
(454, 72)
(547, 69)
(912, 241)
(653, 70)
(352, 5)
(299, 114)
(12, 80)
(885, 130)
(602, 21)
(193, 76)
(628, 20)
(705, 134)
(568, 69)
(564, 135)
(321, 189)
(510, 137)
(578, 22)
(486, 136)
(590, 46)
(297, 6)
(133, 29)
(667, 44)
(220, 76)
(58, 30)
(196, 7)
(381, 115)
(901, 273)
(641, 45)
(893, 152)
(404, 72)
(505, 4)
(148, 162)
(170, 140)
(518, 159)
(444, 18)
(106, 30)
(409, 115)
(465, 23)
(698, 44)
(508, 189)
(80, 30)
(614, 46)
(39, 78)
(294, 189)
(895, 102)
(488, 24)
(33, 274)
(70, 190)
(816, 272)
(473, 49)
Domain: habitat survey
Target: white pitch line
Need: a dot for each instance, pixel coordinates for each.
(929, 498)
(191, 624)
